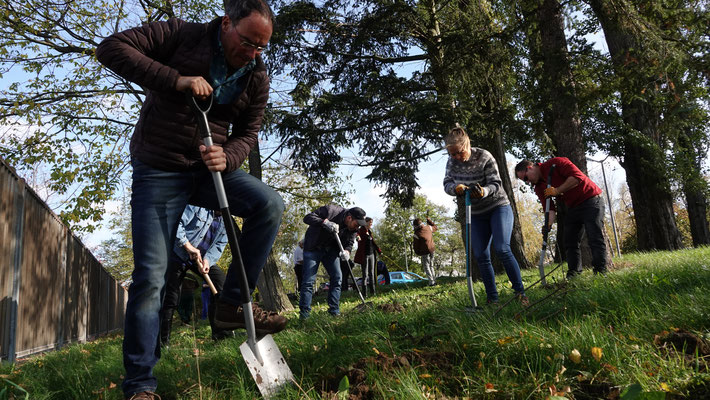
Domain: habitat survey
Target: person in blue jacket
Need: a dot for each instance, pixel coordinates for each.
(200, 241)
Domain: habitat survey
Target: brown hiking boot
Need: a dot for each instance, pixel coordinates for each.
(229, 317)
(144, 396)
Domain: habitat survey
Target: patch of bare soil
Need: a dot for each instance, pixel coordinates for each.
(391, 307)
(383, 363)
(596, 390)
(687, 345)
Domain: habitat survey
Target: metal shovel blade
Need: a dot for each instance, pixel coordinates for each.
(274, 373)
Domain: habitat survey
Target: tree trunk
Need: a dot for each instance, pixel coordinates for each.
(697, 205)
(695, 188)
(561, 118)
(517, 243)
(271, 288)
(643, 157)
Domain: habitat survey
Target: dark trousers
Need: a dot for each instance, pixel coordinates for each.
(369, 278)
(298, 269)
(345, 272)
(590, 216)
(176, 273)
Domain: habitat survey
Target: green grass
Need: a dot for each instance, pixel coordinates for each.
(434, 349)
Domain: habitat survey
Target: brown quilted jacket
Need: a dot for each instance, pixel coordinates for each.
(166, 135)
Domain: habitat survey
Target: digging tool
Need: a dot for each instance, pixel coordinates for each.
(263, 358)
(349, 262)
(469, 254)
(545, 231)
(209, 283)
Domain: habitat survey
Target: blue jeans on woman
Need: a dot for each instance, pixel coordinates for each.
(158, 200)
(331, 262)
(495, 225)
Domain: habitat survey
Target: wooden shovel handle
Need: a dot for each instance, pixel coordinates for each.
(209, 282)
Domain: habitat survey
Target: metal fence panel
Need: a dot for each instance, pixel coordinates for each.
(10, 198)
(62, 292)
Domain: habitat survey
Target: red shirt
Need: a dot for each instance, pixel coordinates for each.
(563, 170)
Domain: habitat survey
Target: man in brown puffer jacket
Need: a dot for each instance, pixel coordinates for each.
(172, 168)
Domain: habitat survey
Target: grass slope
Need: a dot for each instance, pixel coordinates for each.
(642, 332)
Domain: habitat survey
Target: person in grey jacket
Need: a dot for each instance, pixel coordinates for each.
(320, 245)
(491, 215)
(172, 167)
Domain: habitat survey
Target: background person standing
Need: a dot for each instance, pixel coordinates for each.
(423, 245)
(366, 257)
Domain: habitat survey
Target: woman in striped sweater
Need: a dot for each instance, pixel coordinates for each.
(491, 215)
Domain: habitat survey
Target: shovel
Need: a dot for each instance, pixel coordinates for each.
(469, 255)
(545, 232)
(350, 268)
(263, 358)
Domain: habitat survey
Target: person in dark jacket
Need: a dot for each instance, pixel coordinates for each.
(365, 256)
(172, 168)
(320, 245)
(200, 241)
(423, 245)
(585, 208)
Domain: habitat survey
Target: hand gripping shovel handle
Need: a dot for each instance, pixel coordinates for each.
(202, 122)
(545, 233)
(348, 261)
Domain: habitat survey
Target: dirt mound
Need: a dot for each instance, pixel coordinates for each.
(383, 363)
(682, 340)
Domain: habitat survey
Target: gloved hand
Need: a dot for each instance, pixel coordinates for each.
(477, 191)
(331, 226)
(552, 192)
(344, 255)
(429, 221)
(460, 189)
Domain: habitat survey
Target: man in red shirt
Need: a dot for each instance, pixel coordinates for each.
(584, 203)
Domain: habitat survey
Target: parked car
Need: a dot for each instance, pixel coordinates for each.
(402, 277)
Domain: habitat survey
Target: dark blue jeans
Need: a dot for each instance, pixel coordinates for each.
(158, 199)
(588, 215)
(495, 225)
(331, 262)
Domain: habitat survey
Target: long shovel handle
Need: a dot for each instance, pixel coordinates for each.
(202, 122)
(348, 261)
(209, 283)
(469, 249)
(541, 264)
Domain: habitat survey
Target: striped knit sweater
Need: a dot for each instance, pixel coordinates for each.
(480, 168)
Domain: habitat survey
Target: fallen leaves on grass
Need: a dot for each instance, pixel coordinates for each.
(597, 353)
(490, 388)
(575, 356)
(505, 340)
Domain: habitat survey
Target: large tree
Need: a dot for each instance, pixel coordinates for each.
(391, 78)
(554, 93)
(641, 58)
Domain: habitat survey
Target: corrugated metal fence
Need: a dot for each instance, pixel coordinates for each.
(53, 291)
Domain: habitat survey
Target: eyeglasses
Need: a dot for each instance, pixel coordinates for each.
(247, 43)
